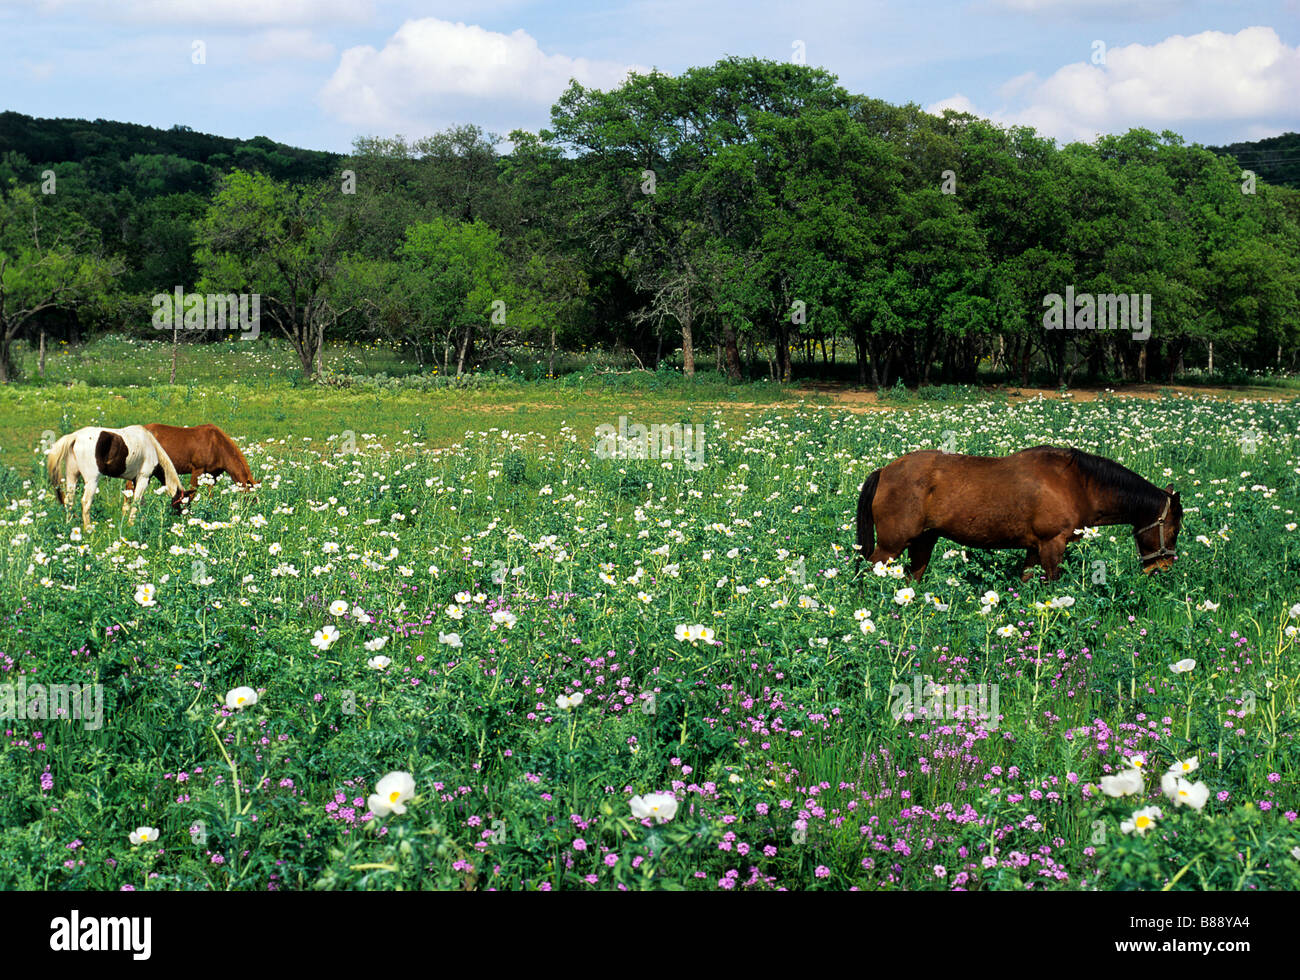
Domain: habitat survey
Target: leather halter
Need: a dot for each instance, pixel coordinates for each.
(1159, 522)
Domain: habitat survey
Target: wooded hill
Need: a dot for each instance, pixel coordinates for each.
(751, 214)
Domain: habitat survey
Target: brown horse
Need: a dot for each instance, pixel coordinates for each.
(1036, 499)
(201, 449)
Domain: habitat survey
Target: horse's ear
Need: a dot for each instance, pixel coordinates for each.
(1169, 489)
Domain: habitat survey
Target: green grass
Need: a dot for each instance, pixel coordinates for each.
(781, 737)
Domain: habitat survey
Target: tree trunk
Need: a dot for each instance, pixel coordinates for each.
(550, 363)
(782, 350)
(41, 363)
(732, 350)
(688, 342)
(1210, 367)
(460, 354)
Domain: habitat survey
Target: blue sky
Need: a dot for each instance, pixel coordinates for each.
(318, 73)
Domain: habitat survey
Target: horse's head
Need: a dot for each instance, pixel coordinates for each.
(1156, 542)
(181, 499)
(250, 488)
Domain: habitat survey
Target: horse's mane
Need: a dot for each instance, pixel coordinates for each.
(1133, 491)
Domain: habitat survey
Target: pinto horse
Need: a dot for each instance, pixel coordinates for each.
(1036, 499)
(126, 453)
(201, 449)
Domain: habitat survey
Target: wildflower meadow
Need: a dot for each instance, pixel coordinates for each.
(535, 655)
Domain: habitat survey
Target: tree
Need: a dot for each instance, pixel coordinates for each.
(460, 283)
(283, 243)
(48, 259)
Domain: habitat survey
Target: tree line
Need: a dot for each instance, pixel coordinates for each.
(750, 216)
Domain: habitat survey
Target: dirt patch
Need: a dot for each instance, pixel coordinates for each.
(860, 400)
(1156, 391)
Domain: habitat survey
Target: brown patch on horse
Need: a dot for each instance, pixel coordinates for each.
(110, 454)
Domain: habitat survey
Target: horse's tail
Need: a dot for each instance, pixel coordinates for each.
(866, 523)
(170, 477)
(56, 461)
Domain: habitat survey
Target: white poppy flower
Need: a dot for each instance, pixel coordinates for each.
(325, 638)
(391, 793)
(240, 698)
(1191, 794)
(1141, 821)
(1125, 783)
(660, 807)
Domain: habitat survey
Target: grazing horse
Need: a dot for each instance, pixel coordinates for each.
(201, 449)
(1036, 499)
(124, 453)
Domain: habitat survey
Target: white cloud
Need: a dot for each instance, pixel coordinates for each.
(957, 103)
(430, 64)
(1247, 77)
(287, 45)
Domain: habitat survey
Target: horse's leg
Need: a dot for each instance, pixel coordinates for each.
(1031, 559)
(69, 490)
(135, 499)
(918, 553)
(1051, 552)
(91, 483)
(126, 497)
